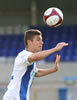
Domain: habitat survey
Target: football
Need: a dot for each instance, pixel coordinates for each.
(53, 17)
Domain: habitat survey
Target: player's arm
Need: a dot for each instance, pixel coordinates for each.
(43, 72)
(42, 54)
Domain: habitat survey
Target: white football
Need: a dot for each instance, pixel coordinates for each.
(53, 17)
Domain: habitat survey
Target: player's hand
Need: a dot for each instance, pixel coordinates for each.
(57, 63)
(59, 46)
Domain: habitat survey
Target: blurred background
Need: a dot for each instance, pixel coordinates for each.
(16, 16)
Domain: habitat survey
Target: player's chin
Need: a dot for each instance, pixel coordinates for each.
(39, 49)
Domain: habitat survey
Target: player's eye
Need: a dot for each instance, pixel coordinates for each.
(38, 39)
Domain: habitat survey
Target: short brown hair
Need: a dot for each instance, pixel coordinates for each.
(29, 34)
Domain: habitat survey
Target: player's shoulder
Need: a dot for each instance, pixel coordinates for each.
(22, 56)
(24, 52)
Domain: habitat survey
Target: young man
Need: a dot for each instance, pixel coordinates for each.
(25, 65)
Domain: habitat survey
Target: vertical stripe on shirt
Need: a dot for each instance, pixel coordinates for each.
(25, 82)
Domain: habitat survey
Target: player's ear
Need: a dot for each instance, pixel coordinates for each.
(28, 41)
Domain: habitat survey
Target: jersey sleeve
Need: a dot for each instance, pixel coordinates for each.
(25, 57)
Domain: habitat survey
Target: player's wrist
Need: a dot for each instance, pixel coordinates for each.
(55, 49)
(55, 69)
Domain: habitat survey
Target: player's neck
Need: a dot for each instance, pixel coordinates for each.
(30, 49)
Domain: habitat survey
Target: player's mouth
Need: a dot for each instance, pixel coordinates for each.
(40, 46)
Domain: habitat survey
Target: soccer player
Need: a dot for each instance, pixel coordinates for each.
(25, 65)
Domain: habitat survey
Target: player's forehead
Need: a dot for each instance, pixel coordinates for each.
(37, 37)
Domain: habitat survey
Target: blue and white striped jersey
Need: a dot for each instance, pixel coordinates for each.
(22, 77)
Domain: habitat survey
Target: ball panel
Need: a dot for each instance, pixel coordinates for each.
(52, 20)
(48, 12)
(59, 12)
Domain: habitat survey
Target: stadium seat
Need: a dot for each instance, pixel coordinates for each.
(12, 44)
